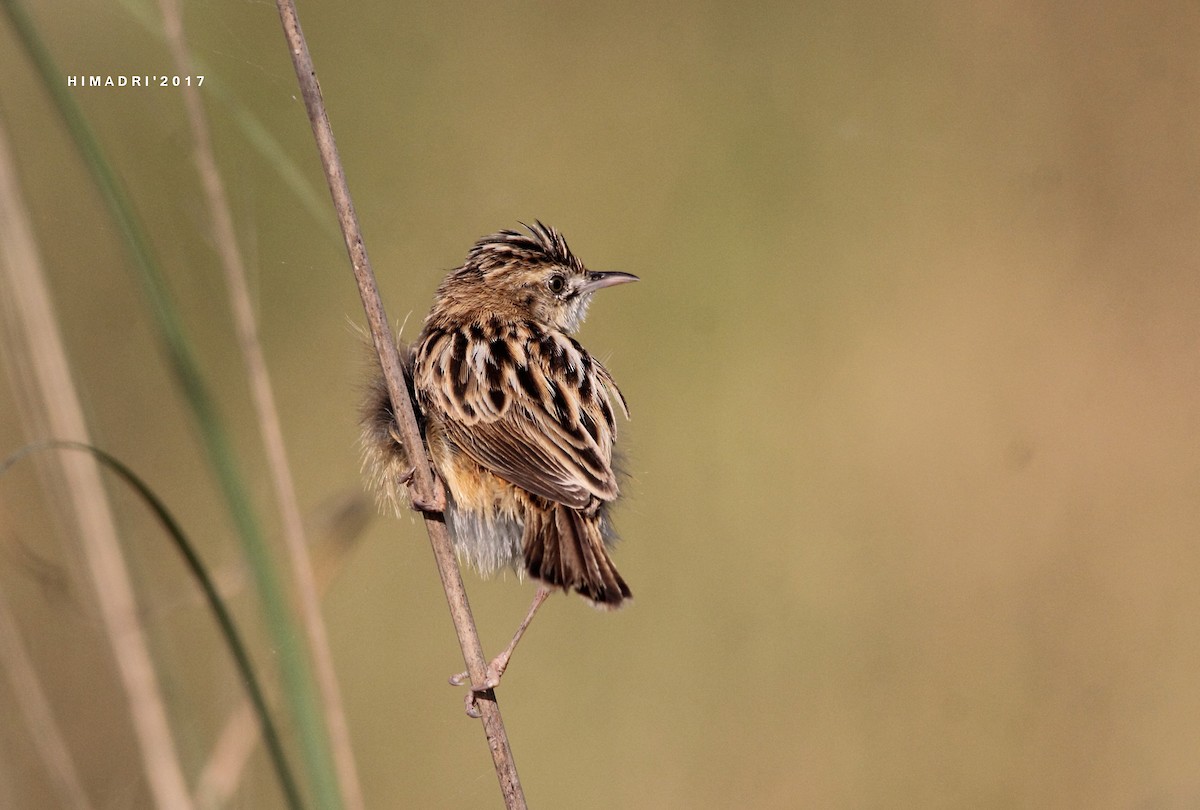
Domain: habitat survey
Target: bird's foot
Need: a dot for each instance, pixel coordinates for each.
(436, 503)
(495, 671)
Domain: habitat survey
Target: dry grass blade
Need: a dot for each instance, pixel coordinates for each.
(338, 526)
(29, 303)
(34, 707)
(225, 240)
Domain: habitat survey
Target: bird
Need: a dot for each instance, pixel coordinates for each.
(518, 418)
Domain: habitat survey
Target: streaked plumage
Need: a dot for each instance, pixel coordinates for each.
(518, 417)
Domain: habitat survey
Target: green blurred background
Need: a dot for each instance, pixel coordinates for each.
(915, 481)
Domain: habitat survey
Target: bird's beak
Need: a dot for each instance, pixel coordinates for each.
(596, 281)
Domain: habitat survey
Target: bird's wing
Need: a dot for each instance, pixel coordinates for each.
(528, 404)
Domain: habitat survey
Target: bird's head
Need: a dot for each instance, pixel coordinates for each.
(530, 275)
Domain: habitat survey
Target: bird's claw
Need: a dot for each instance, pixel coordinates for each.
(437, 503)
(471, 700)
(490, 682)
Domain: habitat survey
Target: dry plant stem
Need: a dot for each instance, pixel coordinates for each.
(225, 240)
(428, 489)
(29, 299)
(219, 778)
(241, 733)
(34, 708)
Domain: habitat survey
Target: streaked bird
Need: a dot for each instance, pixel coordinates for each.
(518, 419)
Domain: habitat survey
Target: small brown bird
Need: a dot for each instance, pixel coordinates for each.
(517, 416)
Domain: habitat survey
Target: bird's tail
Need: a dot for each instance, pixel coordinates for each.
(565, 548)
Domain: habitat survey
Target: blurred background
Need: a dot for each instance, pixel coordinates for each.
(915, 481)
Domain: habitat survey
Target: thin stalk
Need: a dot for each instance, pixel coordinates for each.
(216, 605)
(33, 706)
(337, 530)
(252, 129)
(295, 544)
(297, 684)
(29, 305)
(427, 486)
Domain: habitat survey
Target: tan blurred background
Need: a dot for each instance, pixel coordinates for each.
(913, 367)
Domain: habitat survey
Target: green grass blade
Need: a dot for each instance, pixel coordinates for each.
(195, 565)
(297, 678)
(313, 200)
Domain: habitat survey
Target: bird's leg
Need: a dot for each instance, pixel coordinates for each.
(495, 669)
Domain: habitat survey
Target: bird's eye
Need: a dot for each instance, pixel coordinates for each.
(556, 283)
